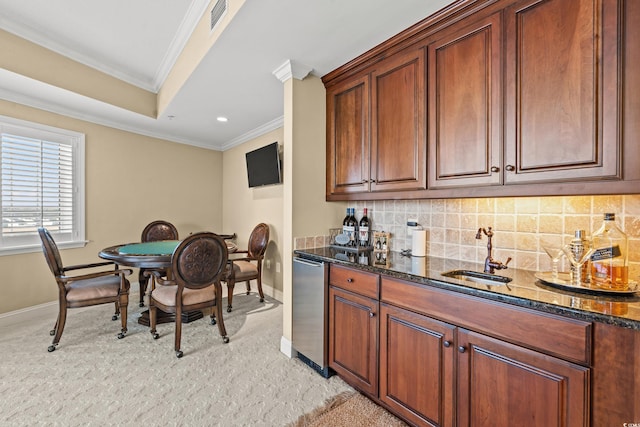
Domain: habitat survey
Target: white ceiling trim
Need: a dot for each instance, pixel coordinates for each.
(35, 94)
(259, 131)
(187, 26)
(291, 69)
(196, 9)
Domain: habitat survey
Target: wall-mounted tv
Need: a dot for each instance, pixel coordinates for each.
(263, 166)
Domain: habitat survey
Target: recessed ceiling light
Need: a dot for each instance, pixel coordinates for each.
(222, 119)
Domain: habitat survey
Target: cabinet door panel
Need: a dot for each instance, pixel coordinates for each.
(398, 144)
(353, 332)
(504, 385)
(348, 137)
(416, 366)
(556, 99)
(465, 105)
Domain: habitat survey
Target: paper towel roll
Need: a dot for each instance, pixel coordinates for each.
(419, 243)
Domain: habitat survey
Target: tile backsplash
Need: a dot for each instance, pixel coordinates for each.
(521, 225)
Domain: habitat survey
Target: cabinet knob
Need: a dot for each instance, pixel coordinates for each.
(447, 344)
(371, 314)
(373, 180)
(510, 168)
(462, 349)
(495, 169)
(349, 280)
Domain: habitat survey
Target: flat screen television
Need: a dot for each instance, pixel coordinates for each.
(263, 166)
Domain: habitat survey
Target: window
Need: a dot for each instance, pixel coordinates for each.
(42, 184)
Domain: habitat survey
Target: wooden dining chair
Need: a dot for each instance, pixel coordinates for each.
(197, 265)
(81, 290)
(153, 232)
(249, 266)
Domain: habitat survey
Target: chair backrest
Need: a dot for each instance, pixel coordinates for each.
(258, 241)
(199, 260)
(159, 230)
(51, 253)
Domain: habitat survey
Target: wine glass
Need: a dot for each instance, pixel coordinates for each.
(577, 262)
(555, 252)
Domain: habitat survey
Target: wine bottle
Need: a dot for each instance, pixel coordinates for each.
(609, 269)
(345, 222)
(353, 227)
(363, 230)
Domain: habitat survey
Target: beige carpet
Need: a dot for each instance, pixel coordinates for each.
(351, 409)
(95, 379)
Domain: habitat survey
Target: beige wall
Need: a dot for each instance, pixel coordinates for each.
(243, 207)
(36, 62)
(131, 180)
(306, 210)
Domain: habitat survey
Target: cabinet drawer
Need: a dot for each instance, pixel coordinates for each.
(567, 338)
(360, 282)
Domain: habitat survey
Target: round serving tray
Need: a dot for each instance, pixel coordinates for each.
(563, 281)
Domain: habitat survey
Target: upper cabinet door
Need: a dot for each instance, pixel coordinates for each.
(398, 143)
(465, 104)
(561, 90)
(348, 137)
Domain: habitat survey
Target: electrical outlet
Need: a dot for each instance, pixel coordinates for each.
(277, 267)
(267, 263)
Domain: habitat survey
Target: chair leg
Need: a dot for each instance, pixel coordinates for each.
(230, 286)
(142, 281)
(178, 333)
(153, 319)
(116, 313)
(62, 319)
(218, 313)
(124, 301)
(259, 280)
(248, 287)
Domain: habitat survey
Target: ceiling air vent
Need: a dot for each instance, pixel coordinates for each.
(218, 12)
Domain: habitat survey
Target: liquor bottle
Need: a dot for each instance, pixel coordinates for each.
(609, 269)
(353, 227)
(363, 230)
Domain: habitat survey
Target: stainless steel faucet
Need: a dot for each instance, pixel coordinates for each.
(490, 265)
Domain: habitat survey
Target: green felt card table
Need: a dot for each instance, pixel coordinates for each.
(153, 255)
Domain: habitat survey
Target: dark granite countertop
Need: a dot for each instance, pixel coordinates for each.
(524, 290)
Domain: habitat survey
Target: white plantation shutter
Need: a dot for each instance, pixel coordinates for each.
(42, 173)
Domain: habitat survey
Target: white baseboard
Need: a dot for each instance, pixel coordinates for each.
(286, 347)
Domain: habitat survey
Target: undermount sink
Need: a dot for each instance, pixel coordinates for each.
(477, 277)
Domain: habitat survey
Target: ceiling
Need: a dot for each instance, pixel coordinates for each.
(139, 41)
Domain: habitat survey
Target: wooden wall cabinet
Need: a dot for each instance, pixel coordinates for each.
(465, 104)
(375, 128)
(538, 93)
(562, 91)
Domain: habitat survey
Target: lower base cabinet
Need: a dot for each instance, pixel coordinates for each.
(353, 338)
(437, 372)
(500, 384)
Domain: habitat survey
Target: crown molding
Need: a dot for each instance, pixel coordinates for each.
(291, 69)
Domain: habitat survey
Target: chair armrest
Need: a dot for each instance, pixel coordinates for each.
(92, 265)
(245, 258)
(160, 279)
(121, 272)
